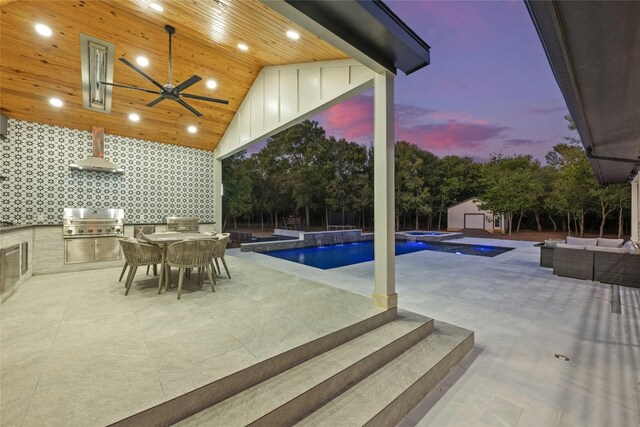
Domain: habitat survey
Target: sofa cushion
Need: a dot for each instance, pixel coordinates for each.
(568, 246)
(610, 243)
(581, 241)
(607, 249)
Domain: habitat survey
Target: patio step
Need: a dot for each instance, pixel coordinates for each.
(289, 396)
(389, 394)
(192, 402)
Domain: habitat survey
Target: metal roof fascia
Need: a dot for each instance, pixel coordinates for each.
(546, 12)
(319, 18)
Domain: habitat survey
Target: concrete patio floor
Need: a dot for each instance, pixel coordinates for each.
(522, 315)
(75, 351)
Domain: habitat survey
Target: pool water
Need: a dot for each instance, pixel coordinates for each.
(333, 256)
(424, 233)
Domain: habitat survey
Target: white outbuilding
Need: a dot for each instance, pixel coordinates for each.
(468, 215)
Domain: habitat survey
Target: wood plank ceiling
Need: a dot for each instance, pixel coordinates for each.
(34, 68)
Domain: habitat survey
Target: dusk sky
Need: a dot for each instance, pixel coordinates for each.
(488, 89)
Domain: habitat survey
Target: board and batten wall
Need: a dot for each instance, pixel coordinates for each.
(159, 180)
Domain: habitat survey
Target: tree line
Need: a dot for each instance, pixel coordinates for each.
(302, 172)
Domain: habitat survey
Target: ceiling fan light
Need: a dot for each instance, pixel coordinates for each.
(56, 102)
(134, 117)
(293, 35)
(243, 47)
(211, 84)
(156, 7)
(142, 61)
(192, 129)
(43, 30)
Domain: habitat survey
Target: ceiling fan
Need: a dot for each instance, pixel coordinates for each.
(168, 91)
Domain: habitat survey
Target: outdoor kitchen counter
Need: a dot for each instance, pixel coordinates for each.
(10, 228)
(10, 236)
(46, 247)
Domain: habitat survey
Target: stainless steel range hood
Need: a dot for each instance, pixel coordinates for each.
(97, 162)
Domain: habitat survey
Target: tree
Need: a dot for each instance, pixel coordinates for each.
(622, 197)
(575, 183)
(237, 197)
(509, 185)
(456, 179)
(412, 193)
(292, 156)
(607, 201)
(348, 180)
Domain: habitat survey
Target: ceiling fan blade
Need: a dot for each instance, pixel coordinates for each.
(190, 81)
(142, 73)
(189, 107)
(155, 101)
(204, 98)
(130, 87)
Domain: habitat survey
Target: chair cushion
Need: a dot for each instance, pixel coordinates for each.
(607, 249)
(610, 243)
(568, 246)
(581, 241)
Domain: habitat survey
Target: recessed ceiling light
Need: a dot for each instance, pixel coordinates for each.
(156, 7)
(211, 84)
(293, 35)
(56, 102)
(243, 46)
(134, 117)
(43, 30)
(142, 61)
(192, 129)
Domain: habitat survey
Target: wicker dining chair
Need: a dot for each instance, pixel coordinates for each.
(126, 264)
(191, 254)
(218, 253)
(140, 230)
(137, 254)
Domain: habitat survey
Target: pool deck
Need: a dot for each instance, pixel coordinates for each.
(522, 315)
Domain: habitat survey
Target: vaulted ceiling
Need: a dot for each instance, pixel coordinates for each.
(34, 68)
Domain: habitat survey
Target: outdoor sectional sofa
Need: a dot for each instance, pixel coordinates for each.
(602, 260)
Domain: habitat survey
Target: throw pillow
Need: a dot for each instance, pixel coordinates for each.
(581, 241)
(610, 243)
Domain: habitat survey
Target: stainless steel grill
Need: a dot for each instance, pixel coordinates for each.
(182, 223)
(82, 223)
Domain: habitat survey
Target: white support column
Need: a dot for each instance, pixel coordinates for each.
(385, 295)
(635, 209)
(217, 193)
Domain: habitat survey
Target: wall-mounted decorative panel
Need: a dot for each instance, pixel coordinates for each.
(284, 95)
(159, 179)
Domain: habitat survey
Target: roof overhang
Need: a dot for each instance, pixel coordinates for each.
(367, 30)
(594, 52)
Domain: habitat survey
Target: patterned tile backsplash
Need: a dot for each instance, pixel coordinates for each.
(159, 179)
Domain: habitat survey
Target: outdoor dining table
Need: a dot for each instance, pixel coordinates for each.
(164, 240)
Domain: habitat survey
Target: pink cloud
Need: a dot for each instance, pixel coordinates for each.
(440, 132)
(451, 137)
(351, 119)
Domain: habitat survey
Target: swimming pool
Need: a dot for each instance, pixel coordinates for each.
(333, 256)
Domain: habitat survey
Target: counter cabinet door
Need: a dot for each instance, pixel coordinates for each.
(79, 250)
(107, 249)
